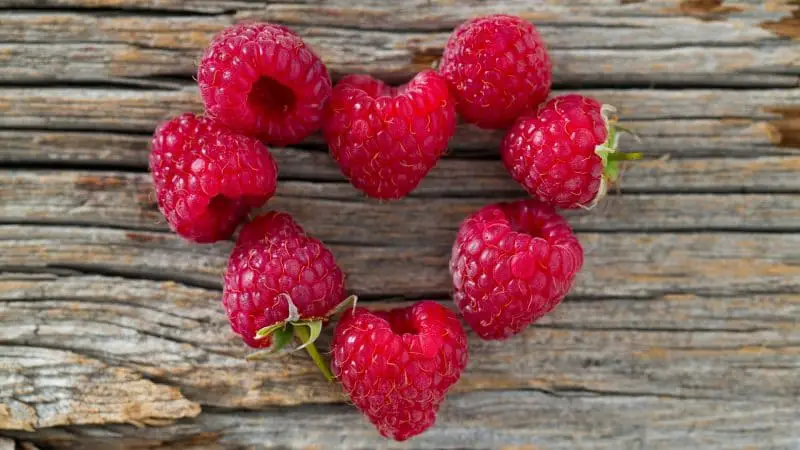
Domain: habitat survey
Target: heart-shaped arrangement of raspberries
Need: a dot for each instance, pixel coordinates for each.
(511, 262)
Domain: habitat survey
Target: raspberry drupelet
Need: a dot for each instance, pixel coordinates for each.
(262, 80)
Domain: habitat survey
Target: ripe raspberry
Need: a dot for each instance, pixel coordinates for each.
(387, 139)
(207, 178)
(279, 276)
(512, 263)
(565, 153)
(262, 80)
(397, 365)
(498, 68)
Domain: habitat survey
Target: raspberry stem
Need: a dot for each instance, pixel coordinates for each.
(620, 156)
(303, 334)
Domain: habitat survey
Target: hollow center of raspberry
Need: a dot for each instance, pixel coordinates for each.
(270, 98)
(220, 204)
(525, 228)
(403, 326)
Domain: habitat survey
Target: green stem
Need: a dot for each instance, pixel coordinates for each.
(619, 156)
(303, 334)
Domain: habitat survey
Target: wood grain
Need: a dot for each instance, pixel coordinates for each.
(49, 388)
(480, 421)
(399, 57)
(614, 346)
(676, 122)
(432, 215)
(622, 264)
(142, 107)
(709, 170)
(639, 44)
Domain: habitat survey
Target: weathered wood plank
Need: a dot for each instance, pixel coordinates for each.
(88, 62)
(339, 213)
(644, 50)
(393, 61)
(194, 32)
(178, 335)
(617, 264)
(753, 171)
(742, 138)
(142, 107)
(154, 32)
(481, 421)
(74, 148)
(437, 14)
(669, 121)
(44, 388)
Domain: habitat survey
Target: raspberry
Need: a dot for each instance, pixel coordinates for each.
(397, 365)
(512, 263)
(262, 80)
(565, 153)
(498, 68)
(387, 139)
(207, 178)
(278, 275)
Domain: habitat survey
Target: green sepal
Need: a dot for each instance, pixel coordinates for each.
(610, 157)
(280, 338)
(307, 331)
(348, 302)
(607, 151)
(307, 338)
(611, 170)
(314, 330)
(266, 331)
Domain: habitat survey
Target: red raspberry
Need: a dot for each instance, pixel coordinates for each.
(512, 263)
(387, 139)
(207, 178)
(498, 68)
(397, 365)
(263, 80)
(277, 274)
(565, 153)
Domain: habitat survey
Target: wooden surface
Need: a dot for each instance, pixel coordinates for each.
(683, 330)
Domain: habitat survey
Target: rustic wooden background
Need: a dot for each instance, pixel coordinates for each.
(682, 332)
